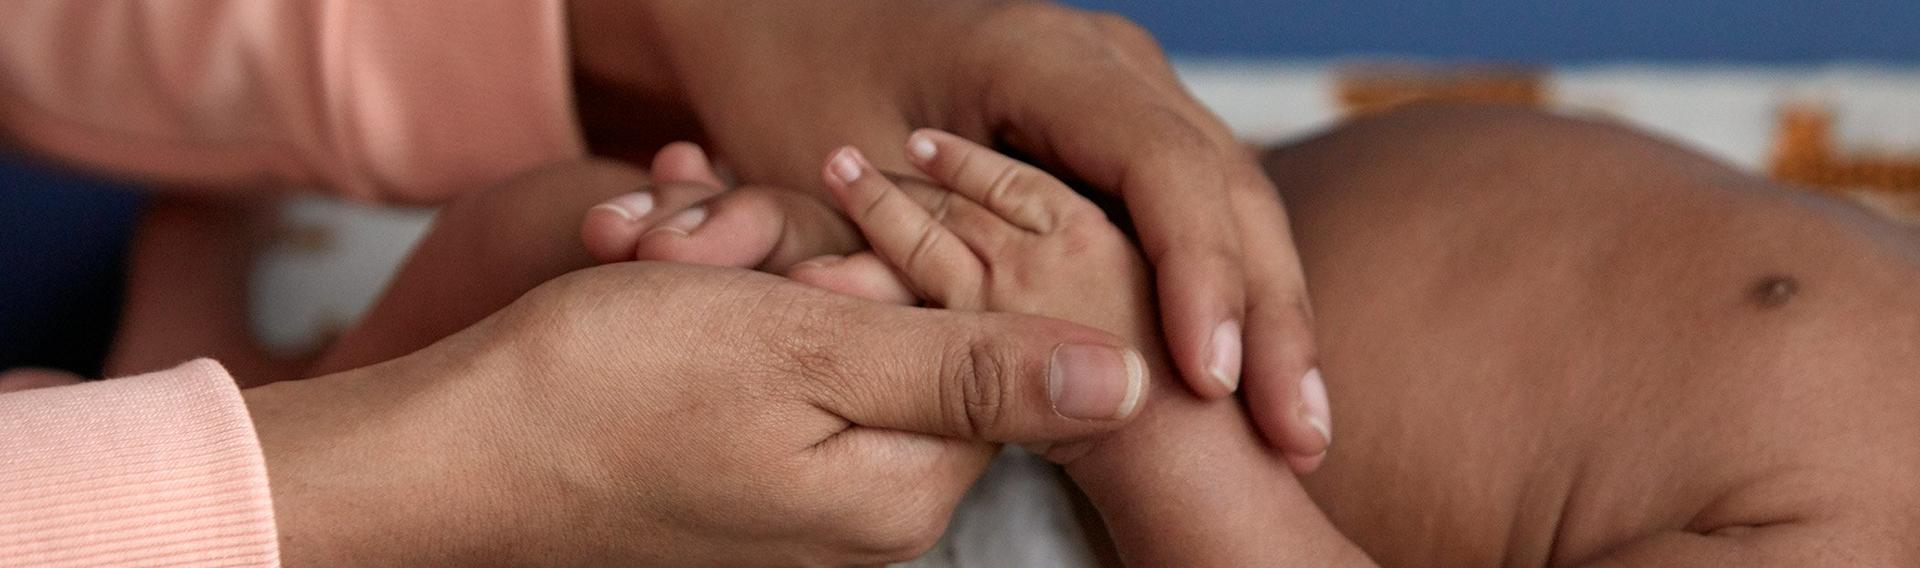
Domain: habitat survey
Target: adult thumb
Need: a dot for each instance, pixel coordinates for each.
(980, 376)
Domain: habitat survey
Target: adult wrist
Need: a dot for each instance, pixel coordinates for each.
(298, 424)
(359, 475)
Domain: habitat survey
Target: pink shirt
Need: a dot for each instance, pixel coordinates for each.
(388, 100)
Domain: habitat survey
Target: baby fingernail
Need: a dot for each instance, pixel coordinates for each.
(1314, 407)
(631, 206)
(683, 222)
(1096, 382)
(921, 147)
(845, 165)
(1224, 362)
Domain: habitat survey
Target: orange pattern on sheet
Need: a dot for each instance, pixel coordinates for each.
(1373, 88)
(1805, 153)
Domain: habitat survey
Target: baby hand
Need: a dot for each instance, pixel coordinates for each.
(688, 213)
(1006, 237)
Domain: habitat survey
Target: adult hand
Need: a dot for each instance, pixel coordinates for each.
(674, 414)
(774, 86)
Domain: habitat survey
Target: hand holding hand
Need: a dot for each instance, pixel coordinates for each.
(645, 412)
(774, 86)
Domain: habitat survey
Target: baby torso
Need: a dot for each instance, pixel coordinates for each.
(1546, 340)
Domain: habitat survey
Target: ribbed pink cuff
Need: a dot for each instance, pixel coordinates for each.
(158, 469)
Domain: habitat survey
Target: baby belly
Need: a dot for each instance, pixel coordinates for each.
(1442, 481)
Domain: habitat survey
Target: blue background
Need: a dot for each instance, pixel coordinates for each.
(1539, 31)
(63, 244)
(62, 237)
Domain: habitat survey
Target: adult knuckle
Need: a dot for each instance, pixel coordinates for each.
(1289, 316)
(1245, 180)
(1020, 50)
(552, 302)
(1191, 255)
(789, 338)
(1114, 24)
(805, 355)
(810, 360)
(1132, 38)
(1041, 16)
(1008, 31)
(1176, 133)
(1214, 253)
(561, 318)
(1178, 159)
(977, 377)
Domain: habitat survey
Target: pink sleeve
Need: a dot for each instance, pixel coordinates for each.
(158, 469)
(398, 100)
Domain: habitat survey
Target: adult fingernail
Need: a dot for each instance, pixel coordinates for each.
(1224, 363)
(845, 165)
(683, 222)
(1096, 382)
(631, 206)
(1314, 407)
(921, 147)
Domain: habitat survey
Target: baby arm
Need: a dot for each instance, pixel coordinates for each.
(485, 250)
(1190, 484)
(186, 291)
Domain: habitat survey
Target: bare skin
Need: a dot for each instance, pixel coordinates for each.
(1551, 343)
(558, 410)
(774, 85)
(1558, 342)
(1554, 343)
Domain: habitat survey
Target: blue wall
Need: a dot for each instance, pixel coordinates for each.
(63, 245)
(1539, 31)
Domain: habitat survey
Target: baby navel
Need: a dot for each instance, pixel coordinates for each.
(1774, 291)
